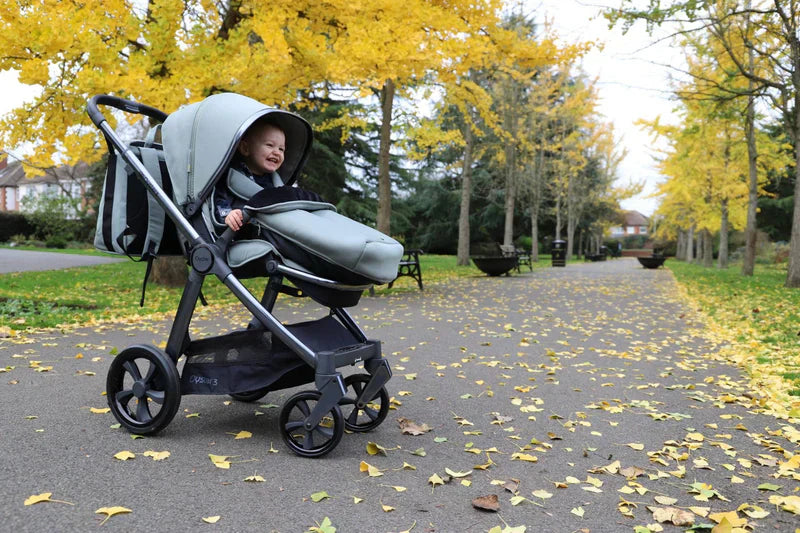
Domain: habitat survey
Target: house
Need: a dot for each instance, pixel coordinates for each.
(15, 185)
(634, 223)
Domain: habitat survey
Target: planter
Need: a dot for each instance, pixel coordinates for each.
(494, 265)
(653, 261)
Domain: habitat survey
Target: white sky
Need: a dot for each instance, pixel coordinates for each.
(632, 83)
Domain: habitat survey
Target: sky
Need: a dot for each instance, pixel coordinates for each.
(632, 83)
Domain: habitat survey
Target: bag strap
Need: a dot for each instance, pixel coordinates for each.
(154, 132)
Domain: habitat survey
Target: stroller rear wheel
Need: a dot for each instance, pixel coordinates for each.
(368, 414)
(143, 389)
(250, 396)
(314, 442)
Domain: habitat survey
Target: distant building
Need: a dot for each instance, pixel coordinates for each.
(633, 223)
(14, 185)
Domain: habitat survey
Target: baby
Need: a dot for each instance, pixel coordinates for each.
(261, 153)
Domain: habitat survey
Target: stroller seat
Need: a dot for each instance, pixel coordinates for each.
(315, 238)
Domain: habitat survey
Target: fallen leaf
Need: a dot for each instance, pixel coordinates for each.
(242, 435)
(124, 455)
(255, 479)
(211, 519)
(220, 461)
(319, 496)
(375, 449)
(99, 410)
(157, 456)
(487, 503)
(111, 511)
(435, 479)
(409, 427)
(369, 469)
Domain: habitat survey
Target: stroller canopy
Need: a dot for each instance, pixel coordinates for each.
(200, 140)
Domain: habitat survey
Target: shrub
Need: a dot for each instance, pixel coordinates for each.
(13, 226)
(56, 242)
(51, 215)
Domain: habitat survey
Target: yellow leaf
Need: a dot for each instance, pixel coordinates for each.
(211, 519)
(375, 449)
(636, 446)
(99, 410)
(519, 456)
(254, 479)
(371, 470)
(220, 461)
(38, 498)
(543, 494)
(124, 455)
(435, 479)
(387, 508)
(455, 474)
(111, 511)
(157, 456)
(243, 435)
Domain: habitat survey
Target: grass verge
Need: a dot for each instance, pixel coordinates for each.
(87, 295)
(756, 318)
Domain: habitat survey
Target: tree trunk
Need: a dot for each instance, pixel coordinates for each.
(535, 233)
(170, 271)
(690, 245)
(466, 192)
(680, 249)
(793, 274)
(722, 260)
(708, 249)
(749, 259)
(559, 222)
(384, 180)
(509, 125)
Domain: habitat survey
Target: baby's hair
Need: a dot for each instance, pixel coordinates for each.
(260, 124)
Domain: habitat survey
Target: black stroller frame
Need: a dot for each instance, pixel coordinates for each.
(311, 422)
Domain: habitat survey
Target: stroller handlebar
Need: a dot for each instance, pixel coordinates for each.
(123, 105)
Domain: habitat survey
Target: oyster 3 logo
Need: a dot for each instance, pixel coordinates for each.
(202, 380)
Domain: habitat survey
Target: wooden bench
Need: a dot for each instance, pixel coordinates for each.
(409, 266)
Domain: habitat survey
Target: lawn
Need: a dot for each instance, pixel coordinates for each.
(757, 316)
(54, 298)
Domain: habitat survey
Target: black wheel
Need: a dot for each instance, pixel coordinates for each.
(313, 442)
(366, 415)
(143, 389)
(250, 396)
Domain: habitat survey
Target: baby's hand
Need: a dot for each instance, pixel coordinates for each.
(234, 219)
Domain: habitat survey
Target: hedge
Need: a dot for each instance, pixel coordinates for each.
(13, 224)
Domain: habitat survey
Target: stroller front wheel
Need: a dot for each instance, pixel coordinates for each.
(360, 414)
(143, 389)
(314, 442)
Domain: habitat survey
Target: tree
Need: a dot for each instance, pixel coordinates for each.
(762, 41)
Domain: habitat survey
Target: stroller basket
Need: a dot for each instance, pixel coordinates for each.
(144, 384)
(249, 360)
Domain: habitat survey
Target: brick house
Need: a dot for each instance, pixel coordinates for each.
(15, 185)
(633, 223)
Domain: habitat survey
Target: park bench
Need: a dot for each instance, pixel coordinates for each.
(409, 266)
(523, 257)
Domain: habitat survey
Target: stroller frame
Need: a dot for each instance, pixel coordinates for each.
(161, 384)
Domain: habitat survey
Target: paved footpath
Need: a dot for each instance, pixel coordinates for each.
(26, 260)
(583, 398)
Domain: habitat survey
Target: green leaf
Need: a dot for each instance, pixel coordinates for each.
(769, 486)
(319, 496)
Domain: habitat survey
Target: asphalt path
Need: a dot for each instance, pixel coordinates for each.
(585, 398)
(26, 260)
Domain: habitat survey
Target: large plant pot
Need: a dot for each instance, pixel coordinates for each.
(494, 265)
(652, 261)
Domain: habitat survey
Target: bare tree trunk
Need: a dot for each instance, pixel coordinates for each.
(509, 125)
(170, 271)
(559, 222)
(690, 245)
(749, 259)
(722, 260)
(384, 180)
(793, 274)
(535, 233)
(466, 192)
(708, 249)
(680, 251)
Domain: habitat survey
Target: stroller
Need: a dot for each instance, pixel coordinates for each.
(157, 200)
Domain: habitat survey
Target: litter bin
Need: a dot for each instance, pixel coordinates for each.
(559, 253)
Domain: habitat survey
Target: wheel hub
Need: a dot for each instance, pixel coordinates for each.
(139, 389)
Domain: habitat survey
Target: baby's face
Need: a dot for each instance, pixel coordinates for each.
(263, 150)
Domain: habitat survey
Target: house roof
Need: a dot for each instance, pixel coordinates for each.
(14, 174)
(635, 218)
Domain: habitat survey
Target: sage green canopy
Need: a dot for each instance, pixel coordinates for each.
(200, 140)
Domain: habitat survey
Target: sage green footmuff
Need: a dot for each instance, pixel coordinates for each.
(200, 141)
